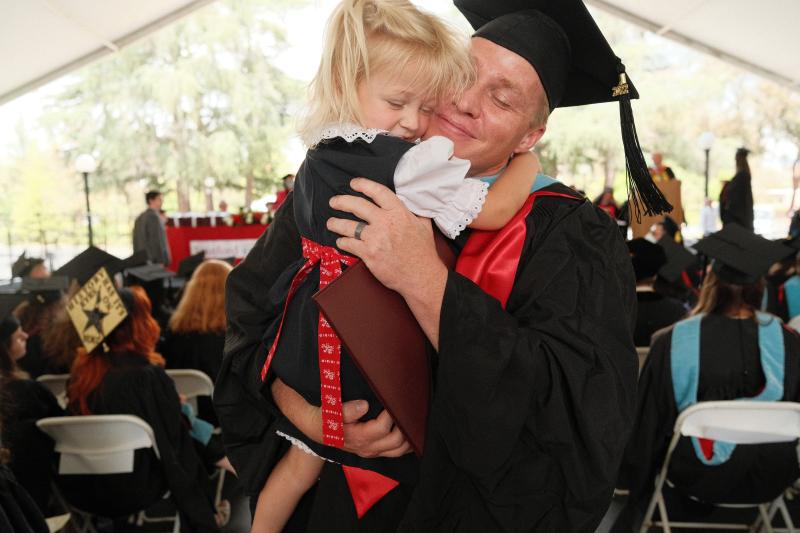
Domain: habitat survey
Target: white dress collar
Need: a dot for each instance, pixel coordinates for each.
(348, 132)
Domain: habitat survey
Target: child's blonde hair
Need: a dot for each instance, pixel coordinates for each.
(366, 36)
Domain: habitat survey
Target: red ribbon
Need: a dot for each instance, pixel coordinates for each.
(491, 258)
(329, 345)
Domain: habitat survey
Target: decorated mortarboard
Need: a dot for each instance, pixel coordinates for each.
(8, 322)
(96, 309)
(740, 256)
(24, 265)
(187, 267)
(647, 258)
(678, 259)
(576, 65)
(45, 290)
(150, 272)
(84, 265)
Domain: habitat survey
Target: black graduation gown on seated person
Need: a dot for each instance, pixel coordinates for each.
(534, 404)
(132, 386)
(18, 512)
(730, 368)
(654, 312)
(32, 452)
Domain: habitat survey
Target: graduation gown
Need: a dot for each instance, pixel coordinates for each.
(132, 386)
(32, 452)
(18, 512)
(736, 201)
(654, 312)
(730, 368)
(553, 378)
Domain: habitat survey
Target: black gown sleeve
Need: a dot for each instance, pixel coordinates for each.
(246, 414)
(550, 382)
(183, 470)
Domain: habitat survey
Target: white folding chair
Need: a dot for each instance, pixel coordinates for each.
(99, 445)
(57, 384)
(739, 422)
(191, 384)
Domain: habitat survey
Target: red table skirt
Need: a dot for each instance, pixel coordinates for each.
(221, 242)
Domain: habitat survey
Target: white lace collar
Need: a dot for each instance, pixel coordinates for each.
(348, 132)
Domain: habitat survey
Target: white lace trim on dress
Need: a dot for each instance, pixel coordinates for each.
(302, 445)
(348, 132)
(463, 208)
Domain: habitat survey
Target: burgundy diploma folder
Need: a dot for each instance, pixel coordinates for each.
(385, 341)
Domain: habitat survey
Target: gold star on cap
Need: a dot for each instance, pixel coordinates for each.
(96, 310)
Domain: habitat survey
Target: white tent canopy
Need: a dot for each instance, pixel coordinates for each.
(41, 40)
(762, 37)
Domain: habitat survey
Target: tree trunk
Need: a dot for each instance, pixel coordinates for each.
(182, 190)
(248, 190)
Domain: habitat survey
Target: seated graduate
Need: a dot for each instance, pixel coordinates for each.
(726, 350)
(37, 315)
(24, 402)
(195, 336)
(681, 276)
(18, 512)
(118, 372)
(782, 292)
(654, 311)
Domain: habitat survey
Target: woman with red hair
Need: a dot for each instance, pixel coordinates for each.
(124, 375)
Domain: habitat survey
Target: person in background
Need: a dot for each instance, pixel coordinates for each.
(124, 375)
(659, 170)
(149, 233)
(280, 196)
(607, 203)
(726, 350)
(736, 197)
(654, 311)
(37, 315)
(29, 267)
(708, 218)
(25, 401)
(195, 336)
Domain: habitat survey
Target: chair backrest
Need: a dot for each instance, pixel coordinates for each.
(191, 383)
(98, 444)
(741, 422)
(57, 384)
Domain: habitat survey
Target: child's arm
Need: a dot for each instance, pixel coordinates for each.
(292, 477)
(508, 193)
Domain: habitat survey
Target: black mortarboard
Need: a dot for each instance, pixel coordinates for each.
(8, 322)
(576, 66)
(678, 259)
(137, 259)
(45, 290)
(84, 265)
(187, 267)
(150, 272)
(740, 256)
(670, 226)
(647, 258)
(24, 265)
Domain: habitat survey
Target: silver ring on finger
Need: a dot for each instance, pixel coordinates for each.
(359, 228)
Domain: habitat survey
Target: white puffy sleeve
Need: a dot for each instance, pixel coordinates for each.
(433, 184)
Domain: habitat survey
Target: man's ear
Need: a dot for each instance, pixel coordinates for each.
(530, 139)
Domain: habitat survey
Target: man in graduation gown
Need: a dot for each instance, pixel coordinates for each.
(536, 377)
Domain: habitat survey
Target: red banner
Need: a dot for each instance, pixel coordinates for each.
(219, 242)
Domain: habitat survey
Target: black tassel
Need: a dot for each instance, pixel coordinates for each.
(644, 195)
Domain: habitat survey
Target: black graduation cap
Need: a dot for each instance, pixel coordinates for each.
(678, 259)
(8, 322)
(24, 265)
(647, 258)
(149, 272)
(137, 259)
(84, 265)
(187, 267)
(740, 256)
(576, 66)
(45, 290)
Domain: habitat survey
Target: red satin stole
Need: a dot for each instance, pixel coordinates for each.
(491, 258)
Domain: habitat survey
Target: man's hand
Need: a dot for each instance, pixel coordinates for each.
(397, 247)
(374, 438)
